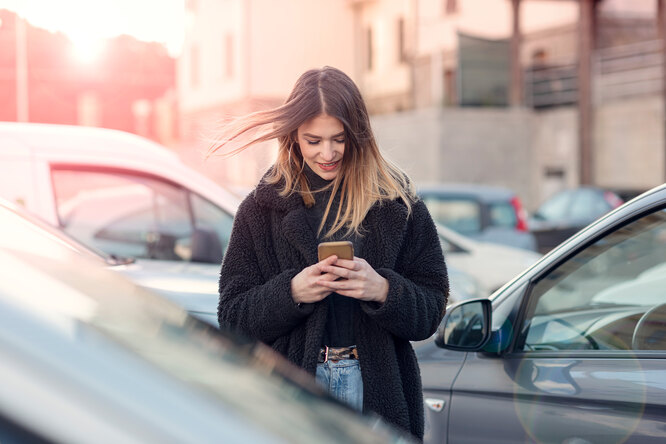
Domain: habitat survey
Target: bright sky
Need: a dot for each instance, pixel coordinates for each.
(88, 21)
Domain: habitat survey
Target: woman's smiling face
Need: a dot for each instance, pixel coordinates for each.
(322, 142)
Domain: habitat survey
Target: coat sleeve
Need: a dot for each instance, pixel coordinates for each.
(418, 286)
(252, 303)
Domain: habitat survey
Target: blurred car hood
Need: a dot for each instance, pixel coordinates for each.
(193, 286)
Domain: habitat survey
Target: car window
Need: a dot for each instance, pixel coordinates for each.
(555, 208)
(502, 214)
(609, 296)
(588, 205)
(210, 218)
(133, 215)
(459, 214)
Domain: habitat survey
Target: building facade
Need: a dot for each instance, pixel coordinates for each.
(440, 79)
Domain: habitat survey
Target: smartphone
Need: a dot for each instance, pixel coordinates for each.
(342, 249)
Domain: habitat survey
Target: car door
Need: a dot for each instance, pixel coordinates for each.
(587, 362)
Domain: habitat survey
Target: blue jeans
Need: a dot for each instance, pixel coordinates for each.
(343, 380)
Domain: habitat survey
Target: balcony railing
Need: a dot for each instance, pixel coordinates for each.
(618, 73)
(628, 71)
(551, 85)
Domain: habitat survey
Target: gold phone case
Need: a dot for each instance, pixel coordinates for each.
(342, 249)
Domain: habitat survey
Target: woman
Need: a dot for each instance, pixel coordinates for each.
(350, 322)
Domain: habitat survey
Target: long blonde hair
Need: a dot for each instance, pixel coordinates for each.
(365, 178)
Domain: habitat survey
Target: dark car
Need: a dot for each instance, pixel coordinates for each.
(485, 213)
(573, 350)
(567, 212)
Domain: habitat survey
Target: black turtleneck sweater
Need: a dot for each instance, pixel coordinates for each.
(339, 330)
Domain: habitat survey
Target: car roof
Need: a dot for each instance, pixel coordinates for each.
(44, 137)
(479, 192)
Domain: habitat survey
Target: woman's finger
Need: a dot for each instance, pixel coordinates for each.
(324, 263)
(343, 284)
(338, 271)
(328, 277)
(350, 265)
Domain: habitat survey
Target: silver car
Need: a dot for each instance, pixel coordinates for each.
(573, 350)
(88, 356)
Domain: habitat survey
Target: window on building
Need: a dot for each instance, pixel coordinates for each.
(228, 55)
(370, 55)
(194, 67)
(450, 7)
(402, 55)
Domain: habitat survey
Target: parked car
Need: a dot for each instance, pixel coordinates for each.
(485, 213)
(491, 265)
(126, 197)
(567, 212)
(116, 192)
(88, 356)
(571, 350)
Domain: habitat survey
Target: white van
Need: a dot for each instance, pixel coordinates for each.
(126, 196)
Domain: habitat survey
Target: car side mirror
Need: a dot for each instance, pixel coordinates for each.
(466, 326)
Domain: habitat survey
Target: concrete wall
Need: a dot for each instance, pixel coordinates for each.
(629, 143)
(462, 145)
(554, 142)
(533, 153)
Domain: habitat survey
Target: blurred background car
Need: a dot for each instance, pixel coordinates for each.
(567, 212)
(116, 192)
(485, 213)
(462, 285)
(491, 265)
(126, 198)
(572, 350)
(87, 355)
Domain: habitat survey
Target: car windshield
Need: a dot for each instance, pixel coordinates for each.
(460, 214)
(246, 375)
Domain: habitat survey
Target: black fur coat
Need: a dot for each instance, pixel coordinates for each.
(272, 241)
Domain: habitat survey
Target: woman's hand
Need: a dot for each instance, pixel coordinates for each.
(360, 281)
(305, 286)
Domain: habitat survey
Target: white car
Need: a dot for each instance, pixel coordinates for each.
(127, 197)
(491, 265)
(115, 191)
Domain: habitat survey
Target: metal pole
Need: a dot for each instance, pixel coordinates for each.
(661, 29)
(586, 26)
(515, 97)
(21, 71)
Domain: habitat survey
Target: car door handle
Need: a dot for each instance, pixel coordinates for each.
(436, 405)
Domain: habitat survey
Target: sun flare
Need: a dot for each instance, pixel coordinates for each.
(86, 49)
